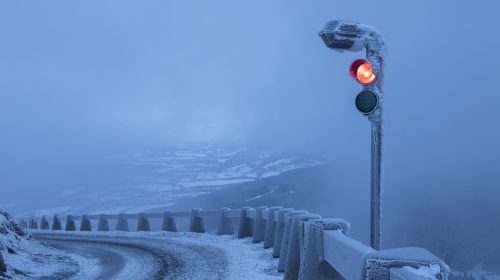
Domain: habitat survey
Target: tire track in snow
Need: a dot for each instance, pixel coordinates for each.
(168, 259)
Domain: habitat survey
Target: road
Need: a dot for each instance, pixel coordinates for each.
(125, 257)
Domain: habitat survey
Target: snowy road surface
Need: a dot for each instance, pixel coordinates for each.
(161, 255)
(115, 257)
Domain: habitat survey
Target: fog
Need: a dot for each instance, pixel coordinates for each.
(83, 80)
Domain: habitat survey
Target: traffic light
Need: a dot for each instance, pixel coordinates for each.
(362, 71)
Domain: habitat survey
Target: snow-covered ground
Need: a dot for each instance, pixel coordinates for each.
(26, 258)
(121, 255)
(238, 258)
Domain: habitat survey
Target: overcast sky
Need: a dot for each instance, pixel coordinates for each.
(91, 77)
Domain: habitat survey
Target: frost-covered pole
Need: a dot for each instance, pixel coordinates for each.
(352, 36)
(375, 54)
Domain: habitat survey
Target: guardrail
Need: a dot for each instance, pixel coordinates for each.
(308, 247)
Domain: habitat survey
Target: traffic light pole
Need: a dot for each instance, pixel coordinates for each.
(376, 187)
(376, 58)
(352, 36)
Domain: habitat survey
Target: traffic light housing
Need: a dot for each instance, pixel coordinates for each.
(367, 100)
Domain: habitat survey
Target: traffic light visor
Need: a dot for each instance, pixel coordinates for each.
(362, 71)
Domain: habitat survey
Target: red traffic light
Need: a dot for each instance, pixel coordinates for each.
(362, 71)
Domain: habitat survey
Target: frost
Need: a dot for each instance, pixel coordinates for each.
(430, 272)
(378, 263)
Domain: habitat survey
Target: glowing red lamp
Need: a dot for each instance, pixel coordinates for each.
(362, 71)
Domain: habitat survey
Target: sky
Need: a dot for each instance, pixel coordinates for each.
(82, 79)
(94, 73)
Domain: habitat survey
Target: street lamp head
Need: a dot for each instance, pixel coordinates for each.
(342, 35)
(351, 36)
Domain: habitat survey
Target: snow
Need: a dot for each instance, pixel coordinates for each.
(429, 272)
(279, 162)
(366, 36)
(272, 190)
(240, 258)
(26, 258)
(36, 260)
(270, 173)
(134, 268)
(377, 262)
(213, 182)
(245, 259)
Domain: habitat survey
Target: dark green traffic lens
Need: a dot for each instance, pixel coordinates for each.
(367, 101)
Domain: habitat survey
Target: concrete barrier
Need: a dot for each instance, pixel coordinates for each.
(409, 273)
(197, 222)
(286, 237)
(348, 256)
(143, 223)
(225, 225)
(270, 227)
(168, 222)
(259, 225)
(44, 224)
(70, 224)
(85, 224)
(309, 248)
(280, 229)
(378, 264)
(293, 258)
(56, 223)
(23, 224)
(121, 222)
(33, 224)
(246, 224)
(312, 264)
(103, 224)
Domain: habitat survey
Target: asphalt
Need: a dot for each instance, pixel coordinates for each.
(151, 258)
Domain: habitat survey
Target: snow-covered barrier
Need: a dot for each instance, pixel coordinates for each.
(169, 222)
(121, 223)
(85, 224)
(225, 225)
(70, 224)
(33, 224)
(44, 223)
(143, 223)
(308, 247)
